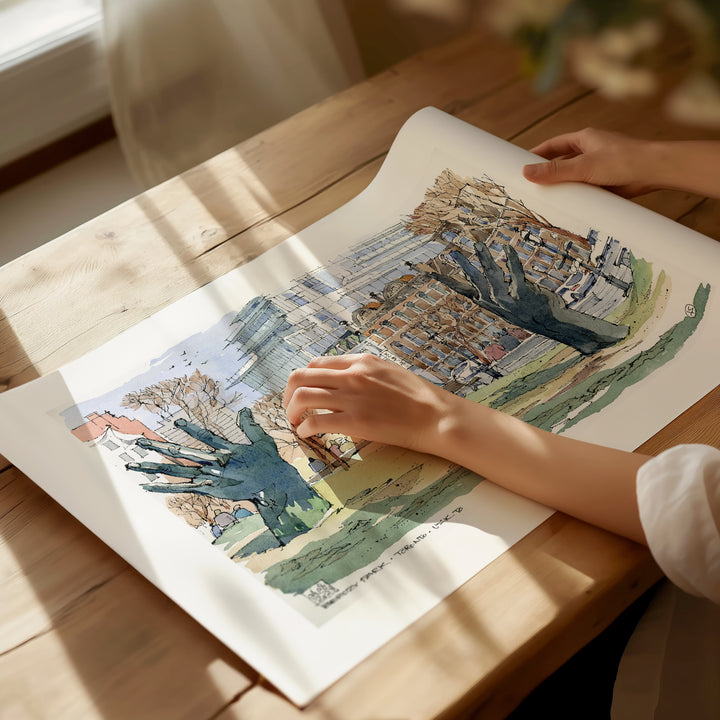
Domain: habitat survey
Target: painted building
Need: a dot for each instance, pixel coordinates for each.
(286, 330)
(379, 297)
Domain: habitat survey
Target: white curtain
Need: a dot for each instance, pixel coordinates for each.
(190, 78)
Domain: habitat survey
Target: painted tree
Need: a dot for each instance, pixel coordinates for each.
(197, 510)
(462, 204)
(481, 209)
(252, 471)
(198, 396)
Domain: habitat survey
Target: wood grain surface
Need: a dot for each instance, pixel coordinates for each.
(82, 635)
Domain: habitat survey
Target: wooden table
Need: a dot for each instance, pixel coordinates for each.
(84, 635)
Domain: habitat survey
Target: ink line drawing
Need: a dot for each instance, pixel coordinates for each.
(473, 291)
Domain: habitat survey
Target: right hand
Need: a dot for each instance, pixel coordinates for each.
(598, 157)
(367, 398)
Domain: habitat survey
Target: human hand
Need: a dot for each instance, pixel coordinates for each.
(367, 398)
(619, 163)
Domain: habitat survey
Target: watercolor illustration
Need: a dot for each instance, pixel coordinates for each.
(473, 291)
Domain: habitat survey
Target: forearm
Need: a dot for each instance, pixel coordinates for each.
(692, 166)
(626, 165)
(590, 482)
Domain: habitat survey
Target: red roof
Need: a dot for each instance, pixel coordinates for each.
(97, 424)
(495, 352)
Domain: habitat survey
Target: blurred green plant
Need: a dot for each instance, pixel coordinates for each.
(614, 46)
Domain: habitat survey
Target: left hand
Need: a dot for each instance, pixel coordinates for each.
(625, 165)
(367, 398)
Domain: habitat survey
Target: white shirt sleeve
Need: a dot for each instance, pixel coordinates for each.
(679, 501)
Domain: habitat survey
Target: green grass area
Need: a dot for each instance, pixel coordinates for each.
(366, 534)
(302, 518)
(522, 377)
(238, 531)
(643, 299)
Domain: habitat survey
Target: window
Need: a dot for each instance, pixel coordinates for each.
(53, 79)
(36, 25)
(295, 298)
(316, 285)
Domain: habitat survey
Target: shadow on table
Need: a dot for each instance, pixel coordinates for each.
(587, 577)
(81, 628)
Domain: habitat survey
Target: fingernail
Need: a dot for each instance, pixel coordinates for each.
(532, 171)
